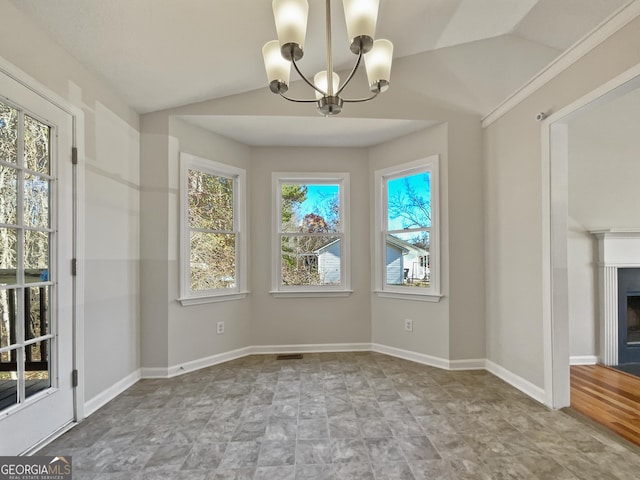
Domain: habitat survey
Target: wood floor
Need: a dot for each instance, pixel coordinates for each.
(608, 397)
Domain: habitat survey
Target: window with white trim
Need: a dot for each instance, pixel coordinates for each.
(406, 239)
(213, 247)
(311, 234)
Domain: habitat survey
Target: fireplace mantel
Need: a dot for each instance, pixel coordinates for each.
(617, 248)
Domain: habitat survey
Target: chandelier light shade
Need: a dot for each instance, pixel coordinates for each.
(291, 25)
(361, 17)
(320, 81)
(378, 65)
(278, 68)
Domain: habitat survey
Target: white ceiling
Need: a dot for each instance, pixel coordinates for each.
(159, 54)
(311, 132)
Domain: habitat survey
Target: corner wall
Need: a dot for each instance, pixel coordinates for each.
(179, 338)
(192, 329)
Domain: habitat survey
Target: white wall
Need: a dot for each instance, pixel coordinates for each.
(513, 217)
(604, 147)
(112, 142)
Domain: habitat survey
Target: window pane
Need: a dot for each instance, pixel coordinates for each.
(37, 304)
(409, 202)
(213, 261)
(8, 194)
(37, 368)
(309, 208)
(36, 145)
(407, 259)
(7, 321)
(311, 260)
(8, 256)
(36, 256)
(8, 133)
(36, 201)
(8, 380)
(210, 201)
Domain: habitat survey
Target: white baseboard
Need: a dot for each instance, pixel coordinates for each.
(583, 360)
(194, 365)
(516, 381)
(110, 393)
(310, 348)
(412, 356)
(154, 372)
(470, 364)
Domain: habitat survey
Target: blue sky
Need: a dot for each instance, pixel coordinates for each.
(317, 196)
(420, 182)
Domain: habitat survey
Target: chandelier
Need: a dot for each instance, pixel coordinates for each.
(291, 25)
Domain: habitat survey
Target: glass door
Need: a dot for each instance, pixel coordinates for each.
(36, 232)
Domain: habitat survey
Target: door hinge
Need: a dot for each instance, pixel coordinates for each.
(74, 155)
(74, 378)
(74, 267)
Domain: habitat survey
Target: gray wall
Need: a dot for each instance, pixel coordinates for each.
(174, 334)
(513, 186)
(192, 328)
(286, 321)
(111, 199)
(453, 328)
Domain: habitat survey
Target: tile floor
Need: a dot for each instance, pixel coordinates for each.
(336, 416)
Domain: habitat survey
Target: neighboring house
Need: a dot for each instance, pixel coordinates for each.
(329, 262)
(405, 262)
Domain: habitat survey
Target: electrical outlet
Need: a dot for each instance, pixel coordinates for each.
(220, 328)
(408, 325)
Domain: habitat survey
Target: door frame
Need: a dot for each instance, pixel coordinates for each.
(78, 222)
(555, 201)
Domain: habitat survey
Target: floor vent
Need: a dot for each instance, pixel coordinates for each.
(289, 356)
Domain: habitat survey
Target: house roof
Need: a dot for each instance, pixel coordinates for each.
(406, 246)
(401, 244)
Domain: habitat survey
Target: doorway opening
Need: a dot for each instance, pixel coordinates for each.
(568, 217)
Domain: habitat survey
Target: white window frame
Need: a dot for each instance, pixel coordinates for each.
(238, 175)
(342, 290)
(381, 289)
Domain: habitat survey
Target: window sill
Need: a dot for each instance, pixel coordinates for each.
(226, 297)
(310, 293)
(420, 297)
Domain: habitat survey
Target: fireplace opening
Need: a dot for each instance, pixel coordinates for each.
(633, 318)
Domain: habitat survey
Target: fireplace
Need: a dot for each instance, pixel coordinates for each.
(633, 318)
(629, 315)
(619, 295)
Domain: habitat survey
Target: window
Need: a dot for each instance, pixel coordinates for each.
(213, 240)
(311, 243)
(406, 240)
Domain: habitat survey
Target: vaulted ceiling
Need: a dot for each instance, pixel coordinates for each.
(159, 54)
